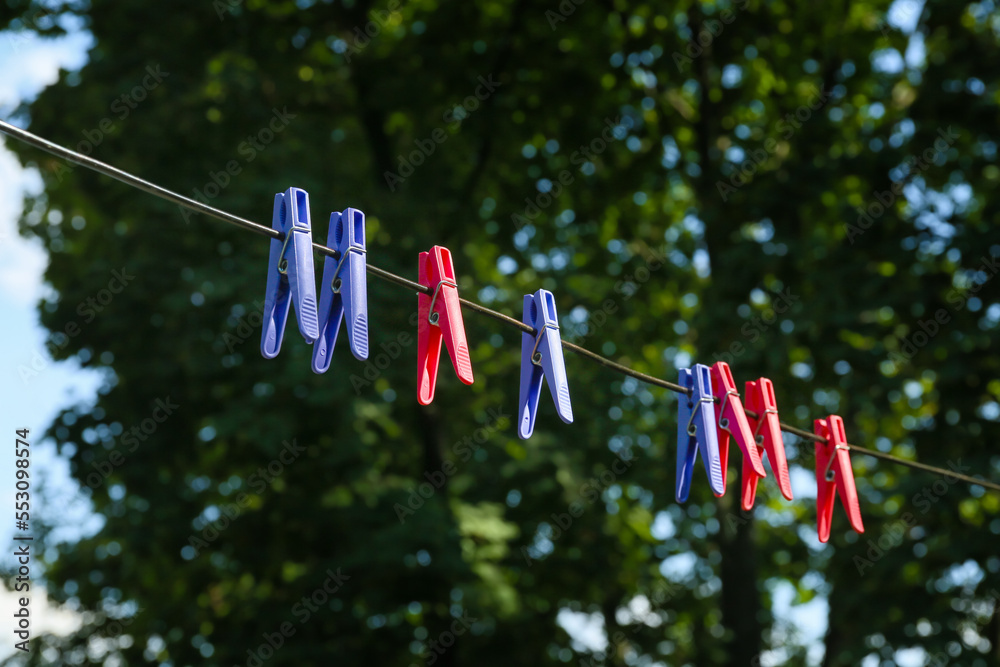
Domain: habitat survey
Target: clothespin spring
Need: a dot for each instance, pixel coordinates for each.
(829, 464)
(723, 422)
(758, 438)
(335, 283)
(536, 356)
(434, 316)
(282, 262)
(691, 428)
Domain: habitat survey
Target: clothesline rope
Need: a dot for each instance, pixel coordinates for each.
(199, 207)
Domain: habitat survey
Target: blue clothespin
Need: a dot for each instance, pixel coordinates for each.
(696, 430)
(290, 273)
(541, 356)
(345, 289)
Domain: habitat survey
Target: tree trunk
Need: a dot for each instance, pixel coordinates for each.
(438, 617)
(834, 632)
(740, 597)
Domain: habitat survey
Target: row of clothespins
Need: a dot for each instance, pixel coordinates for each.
(708, 415)
(712, 413)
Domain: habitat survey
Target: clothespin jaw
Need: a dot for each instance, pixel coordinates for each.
(834, 475)
(439, 316)
(732, 420)
(344, 289)
(696, 431)
(766, 428)
(291, 276)
(541, 358)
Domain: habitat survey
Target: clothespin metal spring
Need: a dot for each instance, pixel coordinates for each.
(536, 356)
(829, 464)
(434, 315)
(723, 422)
(335, 282)
(692, 429)
(757, 435)
(282, 262)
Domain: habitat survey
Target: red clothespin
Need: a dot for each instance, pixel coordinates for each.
(833, 466)
(439, 315)
(767, 434)
(733, 422)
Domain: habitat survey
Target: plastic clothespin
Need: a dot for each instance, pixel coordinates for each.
(541, 358)
(767, 434)
(439, 316)
(733, 422)
(290, 273)
(833, 467)
(696, 431)
(345, 289)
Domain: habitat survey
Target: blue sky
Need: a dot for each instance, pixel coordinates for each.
(28, 65)
(32, 387)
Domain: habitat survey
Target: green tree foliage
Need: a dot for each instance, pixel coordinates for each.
(675, 173)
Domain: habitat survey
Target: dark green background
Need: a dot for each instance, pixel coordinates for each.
(563, 70)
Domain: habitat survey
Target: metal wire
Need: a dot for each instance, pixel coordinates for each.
(199, 207)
